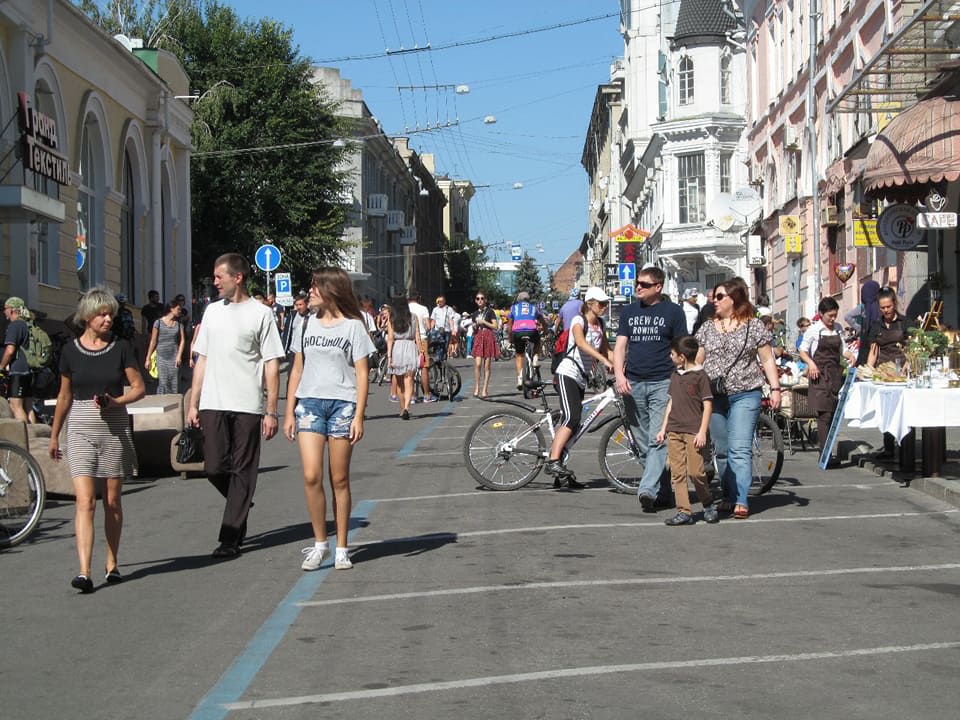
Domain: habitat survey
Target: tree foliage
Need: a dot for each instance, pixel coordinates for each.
(255, 92)
(528, 278)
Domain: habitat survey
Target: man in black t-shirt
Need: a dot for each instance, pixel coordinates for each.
(151, 312)
(642, 368)
(14, 361)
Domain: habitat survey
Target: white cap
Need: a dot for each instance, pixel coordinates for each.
(595, 293)
(690, 293)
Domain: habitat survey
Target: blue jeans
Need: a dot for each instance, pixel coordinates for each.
(645, 413)
(731, 427)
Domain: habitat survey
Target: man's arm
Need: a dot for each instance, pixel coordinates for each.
(193, 412)
(9, 353)
(620, 364)
(271, 377)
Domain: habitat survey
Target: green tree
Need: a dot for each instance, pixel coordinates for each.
(255, 92)
(528, 278)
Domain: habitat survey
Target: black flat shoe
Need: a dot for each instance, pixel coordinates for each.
(574, 485)
(83, 584)
(225, 551)
(113, 577)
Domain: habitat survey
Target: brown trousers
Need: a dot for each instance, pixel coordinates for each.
(231, 452)
(686, 460)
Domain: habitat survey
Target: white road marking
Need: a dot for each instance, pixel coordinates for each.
(560, 673)
(655, 524)
(631, 581)
(607, 489)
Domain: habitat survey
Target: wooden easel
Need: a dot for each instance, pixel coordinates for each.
(931, 320)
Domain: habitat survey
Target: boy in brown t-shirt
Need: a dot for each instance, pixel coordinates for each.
(685, 424)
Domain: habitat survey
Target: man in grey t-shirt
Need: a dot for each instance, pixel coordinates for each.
(14, 361)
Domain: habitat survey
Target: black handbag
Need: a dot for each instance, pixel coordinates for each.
(190, 446)
(718, 385)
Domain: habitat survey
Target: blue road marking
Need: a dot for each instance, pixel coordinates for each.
(410, 446)
(237, 678)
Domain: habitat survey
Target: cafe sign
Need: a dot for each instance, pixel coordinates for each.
(898, 228)
(40, 144)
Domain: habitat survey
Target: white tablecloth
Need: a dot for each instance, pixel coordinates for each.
(897, 409)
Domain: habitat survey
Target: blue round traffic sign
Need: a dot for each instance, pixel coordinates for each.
(267, 257)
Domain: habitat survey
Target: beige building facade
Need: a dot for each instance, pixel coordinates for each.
(103, 194)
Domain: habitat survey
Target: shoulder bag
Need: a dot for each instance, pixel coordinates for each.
(718, 385)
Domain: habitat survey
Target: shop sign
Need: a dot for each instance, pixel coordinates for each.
(865, 233)
(793, 244)
(937, 220)
(789, 225)
(39, 143)
(629, 233)
(898, 228)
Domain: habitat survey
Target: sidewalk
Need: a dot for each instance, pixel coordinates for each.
(946, 487)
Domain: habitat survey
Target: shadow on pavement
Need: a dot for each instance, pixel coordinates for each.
(408, 547)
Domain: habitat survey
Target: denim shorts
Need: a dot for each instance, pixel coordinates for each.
(326, 417)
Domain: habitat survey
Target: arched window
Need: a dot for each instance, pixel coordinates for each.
(686, 81)
(128, 255)
(725, 80)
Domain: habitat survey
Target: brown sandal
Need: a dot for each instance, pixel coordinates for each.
(741, 512)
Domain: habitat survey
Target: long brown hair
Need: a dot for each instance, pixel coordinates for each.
(736, 290)
(335, 287)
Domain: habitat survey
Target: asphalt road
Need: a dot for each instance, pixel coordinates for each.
(837, 598)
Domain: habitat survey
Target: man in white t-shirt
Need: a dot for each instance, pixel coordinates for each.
(691, 310)
(422, 315)
(238, 355)
(443, 317)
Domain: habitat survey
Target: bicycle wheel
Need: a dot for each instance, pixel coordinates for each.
(22, 494)
(382, 370)
(456, 382)
(526, 375)
(504, 450)
(617, 461)
(767, 455)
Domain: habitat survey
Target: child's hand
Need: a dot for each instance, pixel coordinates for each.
(661, 436)
(700, 440)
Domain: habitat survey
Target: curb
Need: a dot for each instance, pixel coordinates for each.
(944, 489)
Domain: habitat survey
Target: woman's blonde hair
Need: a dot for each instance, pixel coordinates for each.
(92, 302)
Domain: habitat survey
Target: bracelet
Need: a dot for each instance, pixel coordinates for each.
(775, 390)
(273, 415)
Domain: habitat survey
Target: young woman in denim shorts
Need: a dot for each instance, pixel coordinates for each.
(327, 396)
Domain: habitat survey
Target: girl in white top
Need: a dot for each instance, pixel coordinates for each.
(327, 397)
(586, 345)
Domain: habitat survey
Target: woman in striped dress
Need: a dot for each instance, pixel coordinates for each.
(168, 339)
(94, 369)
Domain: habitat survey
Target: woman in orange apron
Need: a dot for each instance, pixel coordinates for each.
(822, 348)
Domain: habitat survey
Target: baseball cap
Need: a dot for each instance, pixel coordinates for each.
(690, 293)
(15, 303)
(121, 298)
(523, 296)
(595, 293)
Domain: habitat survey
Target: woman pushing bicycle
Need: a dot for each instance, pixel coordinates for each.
(586, 345)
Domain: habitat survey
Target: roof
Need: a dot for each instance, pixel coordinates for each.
(705, 17)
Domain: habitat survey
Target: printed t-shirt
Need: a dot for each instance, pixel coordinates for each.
(441, 317)
(688, 390)
(577, 365)
(523, 317)
(236, 339)
(18, 334)
(649, 329)
(329, 355)
(92, 372)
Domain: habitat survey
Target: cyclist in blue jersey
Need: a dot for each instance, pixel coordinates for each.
(524, 321)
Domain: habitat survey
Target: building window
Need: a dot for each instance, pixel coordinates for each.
(692, 181)
(686, 81)
(128, 255)
(725, 80)
(48, 235)
(725, 182)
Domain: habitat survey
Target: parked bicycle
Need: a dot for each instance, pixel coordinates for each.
(443, 378)
(22, 494)
(506, 448)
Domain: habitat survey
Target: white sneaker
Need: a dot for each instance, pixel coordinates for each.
(536, 361)
(519, 382)
(342, 562)
(314, 557)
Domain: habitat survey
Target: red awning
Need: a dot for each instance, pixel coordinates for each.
(920, 145)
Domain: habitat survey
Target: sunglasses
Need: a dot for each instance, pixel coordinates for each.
(647, 285)
(717, 297)
(479, 297)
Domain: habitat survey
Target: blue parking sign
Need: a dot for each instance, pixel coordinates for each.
(626, 290)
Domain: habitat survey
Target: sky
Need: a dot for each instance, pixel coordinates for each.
(540, 87)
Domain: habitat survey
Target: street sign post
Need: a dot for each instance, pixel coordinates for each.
(267, 259)
(284, 289)
(610, 272)
(515, 253)
(626, 290)
(627, 272)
